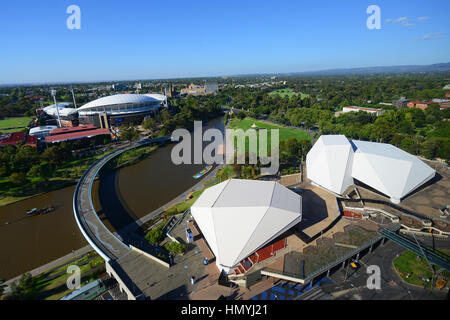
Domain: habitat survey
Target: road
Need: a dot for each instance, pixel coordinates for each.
(392, 286)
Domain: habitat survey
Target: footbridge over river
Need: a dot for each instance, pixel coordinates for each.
(126, 263)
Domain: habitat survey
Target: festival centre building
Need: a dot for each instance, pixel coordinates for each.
(242, 219)
(335, 163)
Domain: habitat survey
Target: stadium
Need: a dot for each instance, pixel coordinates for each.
(68, 116)
(120, 108)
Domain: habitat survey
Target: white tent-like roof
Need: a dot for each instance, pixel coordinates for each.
(329, 163)
(389, 169)
(333, 162)
(238, 217)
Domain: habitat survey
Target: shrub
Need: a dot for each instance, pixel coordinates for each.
(155, 235)
(175, 247)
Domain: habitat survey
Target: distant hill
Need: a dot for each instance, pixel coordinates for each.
(438, 67)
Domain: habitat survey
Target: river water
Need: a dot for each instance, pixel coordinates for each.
(121, 197)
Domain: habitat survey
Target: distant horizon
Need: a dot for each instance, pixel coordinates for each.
(49, 42)
(321, 72)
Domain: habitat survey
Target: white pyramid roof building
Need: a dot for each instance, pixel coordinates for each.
(333, 162)
(329, 163)
(238, 217)
(389, 169)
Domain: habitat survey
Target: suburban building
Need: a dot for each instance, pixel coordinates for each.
(401, 103)
(357, 109)
(420, 104)
(197, 90)
(335, 163)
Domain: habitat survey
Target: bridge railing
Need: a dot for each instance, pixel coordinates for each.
(98, 246)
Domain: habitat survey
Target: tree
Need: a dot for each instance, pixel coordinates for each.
(24, 289)
(222, 175)
(149, 124)
(155, 235)
(174, 247)
(18, 178)
(408, 145)
(128, 133)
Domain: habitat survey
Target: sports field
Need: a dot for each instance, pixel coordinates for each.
(288, 93)
(285, 133)
(14, 124)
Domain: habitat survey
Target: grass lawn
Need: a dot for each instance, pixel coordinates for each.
(408, 264)
(16, 123)
(288, 92)
(52, 285)
(284, 132)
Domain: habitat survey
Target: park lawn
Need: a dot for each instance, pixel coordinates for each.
(288, 92)
(407, 263)
(285, 133)
(56, 288)
(21, 122)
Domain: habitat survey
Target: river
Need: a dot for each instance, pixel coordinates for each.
(121, 197)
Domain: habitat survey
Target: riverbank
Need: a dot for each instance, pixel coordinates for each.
(69, 174)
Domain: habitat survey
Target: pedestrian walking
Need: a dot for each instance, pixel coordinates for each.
(192, 280)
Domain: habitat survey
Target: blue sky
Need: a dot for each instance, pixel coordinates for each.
(147, 39)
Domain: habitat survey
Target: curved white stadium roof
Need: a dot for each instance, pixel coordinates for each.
(238, 217)
(333, 163)
(329, 162)
(118, 99)
(60, 105)
(157, 96)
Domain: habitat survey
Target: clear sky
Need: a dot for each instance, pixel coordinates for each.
(148, 39)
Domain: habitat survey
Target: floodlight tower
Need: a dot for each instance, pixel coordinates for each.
(73, 96)
(53, 92)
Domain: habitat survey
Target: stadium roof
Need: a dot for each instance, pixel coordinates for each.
(119, 99)
(156, 96)
(333, 163)
(60, 105)
(237, 217)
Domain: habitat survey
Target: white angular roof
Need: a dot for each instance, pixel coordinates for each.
(333, 162)
(329, 163)
(238, 217)
(389, 169)
(118, 99)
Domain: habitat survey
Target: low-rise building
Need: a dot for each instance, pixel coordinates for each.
(15, 138)
(364, 109)
(420, 104)
(75, 133)
(401, 103)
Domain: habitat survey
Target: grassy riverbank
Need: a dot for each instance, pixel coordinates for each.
(52, 284)
(66, 175)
